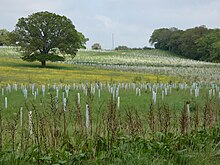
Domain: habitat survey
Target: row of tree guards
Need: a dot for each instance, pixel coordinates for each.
(32, 90)
(162, 89)
(87, 116)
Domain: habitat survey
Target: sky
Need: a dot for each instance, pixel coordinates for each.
(118, 22)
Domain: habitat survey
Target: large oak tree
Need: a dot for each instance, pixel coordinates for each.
(45, 36)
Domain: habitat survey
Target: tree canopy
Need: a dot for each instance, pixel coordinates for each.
(96, 46)
(198, 43)
(4, 37)
(45, 36)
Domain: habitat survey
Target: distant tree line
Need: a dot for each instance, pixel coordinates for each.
(199, 43)
(122, 47)
(97, 46)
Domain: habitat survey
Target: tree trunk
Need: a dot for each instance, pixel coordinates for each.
(43, 64)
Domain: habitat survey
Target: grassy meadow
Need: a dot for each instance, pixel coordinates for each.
(13, 69)
(109, 107)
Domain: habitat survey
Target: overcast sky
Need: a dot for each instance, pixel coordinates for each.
(130, 21)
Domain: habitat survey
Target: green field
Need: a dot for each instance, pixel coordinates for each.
(13, 69)
(180, 126)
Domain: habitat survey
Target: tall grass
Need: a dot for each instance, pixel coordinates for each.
(113, 137)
